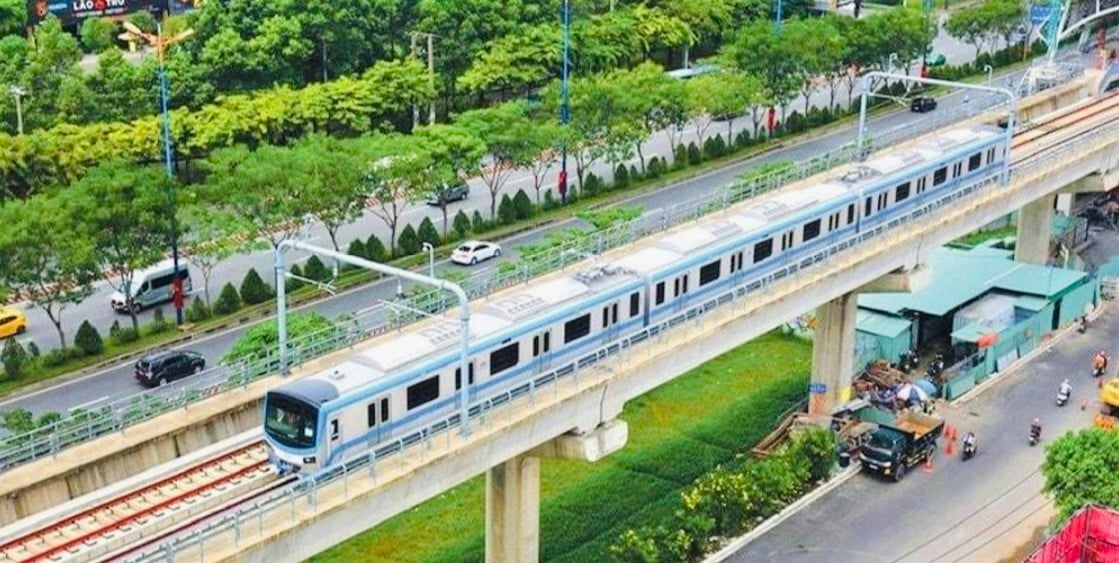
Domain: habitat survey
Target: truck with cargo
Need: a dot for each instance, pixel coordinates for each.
(897, 446)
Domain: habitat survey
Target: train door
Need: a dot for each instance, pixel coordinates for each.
(334, 434)
(542, 350)
(377, 413)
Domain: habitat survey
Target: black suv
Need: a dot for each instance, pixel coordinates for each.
(159, 368)
(922, 104)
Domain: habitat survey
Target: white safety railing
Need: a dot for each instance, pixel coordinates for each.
(301, 500)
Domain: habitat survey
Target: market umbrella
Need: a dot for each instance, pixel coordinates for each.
(926, 386)
(912, 394)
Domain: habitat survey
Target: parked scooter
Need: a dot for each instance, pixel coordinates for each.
(1063, 393)
(969, 447)
(1082, 324)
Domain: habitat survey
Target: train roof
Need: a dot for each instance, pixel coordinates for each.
(311, 391)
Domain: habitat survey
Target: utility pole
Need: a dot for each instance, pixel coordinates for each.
(18, 93)
(431, 74)
(565, 111)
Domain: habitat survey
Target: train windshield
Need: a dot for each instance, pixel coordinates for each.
(290, 421)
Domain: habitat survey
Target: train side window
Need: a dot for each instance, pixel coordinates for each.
(676, 287)
(335, 432)
(423, 392)
(547, 342)
(957, 169)
(660, 293)
(901, 193)
(384, 409)
(614, 314)
(739, 259)
(811, 230)
(634, 304)
(710, 272)
(763, 250)
(507, 357)
(974, 161)
(685, 290)
(850, 214)
(883, 198)
(940, 176)
(605, 317)
(469, 376)
(921, 185)
(371, 413)
(575, 329)
(866, 211)
(990, 155)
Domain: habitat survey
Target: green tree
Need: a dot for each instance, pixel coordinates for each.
(462, 224)
(543, 144)
(97, 34)
(198, 311)
(88, 340)
(515, 62)
(123, 212)
(375, 250)
(523, 205)
(254, 290)
(821, 46)
(314, 269)
(397, 170)
(52, 62)
(213, 238)
(506, 213)
(970, 24)
(356, 248)
(263, 340)
(228, 301)
(45, 255)
(13, 14)
(501, 130)
(331, 173)
(758, 50)
(1078, 468)
(459, 153)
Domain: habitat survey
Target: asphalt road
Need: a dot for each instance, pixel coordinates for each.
(962, 511)
(96, 307)
(117, 382)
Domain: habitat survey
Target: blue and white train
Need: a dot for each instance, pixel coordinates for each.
(402, 381)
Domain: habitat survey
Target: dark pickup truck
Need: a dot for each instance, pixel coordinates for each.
(896, 447)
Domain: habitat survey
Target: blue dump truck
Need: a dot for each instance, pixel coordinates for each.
(897, 446)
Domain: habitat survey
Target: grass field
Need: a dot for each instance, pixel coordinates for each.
(676, 433)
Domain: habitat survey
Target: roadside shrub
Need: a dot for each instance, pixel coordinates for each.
(228, 300)
(409, 242)
(478, 223)
(428, 233)
(254, 290)
(714, 147)
(742, 140)
(461, 224)
(550, 201)
(18, 420)
(356, 248)
(621, 176)
(123, 336)
(55, 357)
(506, 213)
(634, 174)
(14, 358)
(88, 340)
(375, 250)
(656, 168)
(292, 283)
(795, 123)
(114, 329)
(523, 206)
(198, 311)
(314, 269)
(694, 155)
(592, 185)
(159, 322)
(680, 156)
(33, 350)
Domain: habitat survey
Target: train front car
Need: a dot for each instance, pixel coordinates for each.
(291, 424)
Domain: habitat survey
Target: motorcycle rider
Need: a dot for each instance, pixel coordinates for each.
(1065, 388)
(1099, 363)
(969, 440)
(1035, 428)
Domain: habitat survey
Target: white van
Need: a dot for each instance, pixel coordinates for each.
(152, 286)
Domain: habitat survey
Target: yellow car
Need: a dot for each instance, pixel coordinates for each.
(12, 322)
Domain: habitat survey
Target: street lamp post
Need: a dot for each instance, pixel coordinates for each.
(565, 110)
(160, 44)
(990, 71)
(18, 93)
(430, 250)
(777, 24)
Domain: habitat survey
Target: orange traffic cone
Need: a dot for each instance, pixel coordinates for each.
(928, 468)
(949, 449)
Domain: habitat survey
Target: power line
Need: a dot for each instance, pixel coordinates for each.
(1012, 526)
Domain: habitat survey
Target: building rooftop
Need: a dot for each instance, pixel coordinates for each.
(960, 276)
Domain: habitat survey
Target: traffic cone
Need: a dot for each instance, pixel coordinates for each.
(928, 468)
(949, 448)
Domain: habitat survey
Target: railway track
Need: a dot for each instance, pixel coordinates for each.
(1060, 123)
(108, 527)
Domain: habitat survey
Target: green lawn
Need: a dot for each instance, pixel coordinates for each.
(979, 237)
(684, 429)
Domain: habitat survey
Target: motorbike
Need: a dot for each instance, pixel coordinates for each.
(969, 451)
(1062, 397)
(1035, 435)
(1082, 324)
(1098, 371)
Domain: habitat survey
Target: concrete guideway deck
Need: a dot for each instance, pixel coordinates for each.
(326, 514)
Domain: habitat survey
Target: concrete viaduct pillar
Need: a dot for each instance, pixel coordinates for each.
(1035, 222)
(833, 348)
(513, 490)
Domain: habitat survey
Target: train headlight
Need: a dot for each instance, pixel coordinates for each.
(309, 459)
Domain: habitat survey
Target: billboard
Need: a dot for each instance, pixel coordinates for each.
(72, 12)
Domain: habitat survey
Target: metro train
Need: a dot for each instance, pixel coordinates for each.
(402, 382)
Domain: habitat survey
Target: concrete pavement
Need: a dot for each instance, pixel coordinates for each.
(981, 510)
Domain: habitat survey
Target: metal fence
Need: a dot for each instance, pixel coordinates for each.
(238, 525)
(81, 425)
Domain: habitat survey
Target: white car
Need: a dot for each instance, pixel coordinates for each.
(474, 251)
